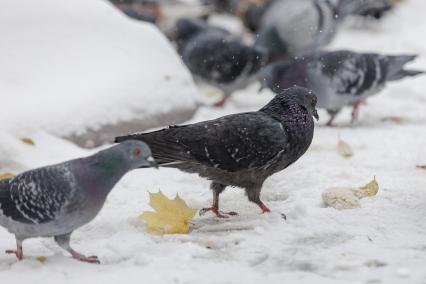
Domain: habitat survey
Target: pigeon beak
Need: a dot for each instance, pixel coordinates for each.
(149, 163)
(152, 162)
(263, 85)
(315, 114)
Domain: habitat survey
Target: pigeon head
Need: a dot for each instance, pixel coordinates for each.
(303, 98)
(284, 74)
(270, 39)
(258, 57)
(364, 8)
(130, 154)
(186, 29)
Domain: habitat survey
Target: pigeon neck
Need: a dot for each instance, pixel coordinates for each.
(289, 113)
(105, 173)
(297, 123)
(349, 7)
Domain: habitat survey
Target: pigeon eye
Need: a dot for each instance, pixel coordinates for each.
(136, 152)
(313, 100)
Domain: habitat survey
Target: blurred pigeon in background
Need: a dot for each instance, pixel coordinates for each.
(241, 149)
(143, 10)
(55, 200)
(252, 12)
(295, 27)
(215, 56)
(249, 11)
(338, 78)
(223, 6)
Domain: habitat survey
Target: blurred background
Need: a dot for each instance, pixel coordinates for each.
(76, 73)
(89, 71)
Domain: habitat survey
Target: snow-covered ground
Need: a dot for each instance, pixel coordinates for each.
(85, 63)
(384, 241)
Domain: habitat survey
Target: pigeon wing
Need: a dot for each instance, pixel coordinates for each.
(348, 73)
(232, 143)
(37, 196)
(215, 57)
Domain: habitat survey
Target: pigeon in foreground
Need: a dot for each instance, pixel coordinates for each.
(338, 78)
(242, 149)
(217, 57)
(296, 27)
(54, 201)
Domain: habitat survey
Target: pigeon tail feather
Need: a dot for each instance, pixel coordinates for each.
(396, 69)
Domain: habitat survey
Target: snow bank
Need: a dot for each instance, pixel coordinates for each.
(81, 69)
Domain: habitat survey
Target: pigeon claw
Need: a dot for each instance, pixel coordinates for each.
(267, 210)
(329, 123)
(217, 212)
(221, 102)
(19, 254)
(263, 207)
(89, 259)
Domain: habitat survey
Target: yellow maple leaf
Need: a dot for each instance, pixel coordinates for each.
(28, 141)
(171, 216)
(370, 189)
(41, 259)
(6, 176)
(395, 119)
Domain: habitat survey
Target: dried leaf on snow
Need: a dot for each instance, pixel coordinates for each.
(28, 141)
(348, 198)
(6, 176)
(344, 149)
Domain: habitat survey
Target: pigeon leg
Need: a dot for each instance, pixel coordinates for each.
(217, 189)
(18, 252)
(221, 102)
(333, 114)
(253, 195)
(64, 242)
(330, 121)
(263, 207)
(355, 110)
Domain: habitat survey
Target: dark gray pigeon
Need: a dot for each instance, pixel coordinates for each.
(249, 11)
(215, 56)
(240, 149)
(296, 27)
(338, 78)
(54, 201)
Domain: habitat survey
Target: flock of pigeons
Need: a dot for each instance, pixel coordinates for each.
(240, 150)
(287, 51)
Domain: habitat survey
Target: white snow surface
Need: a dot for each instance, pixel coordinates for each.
(383, 241)
(86, 63)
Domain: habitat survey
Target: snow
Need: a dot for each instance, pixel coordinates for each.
(86, 63)
(383, 241)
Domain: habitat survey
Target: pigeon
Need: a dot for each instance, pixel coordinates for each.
(249, 11)
(53, 201)
(240, 150)
(338, 78)
(375, 9)
(223, 6)
(142, 10)
(295, 27)
(216, 57)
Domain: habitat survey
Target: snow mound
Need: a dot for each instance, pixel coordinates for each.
(80, 69)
